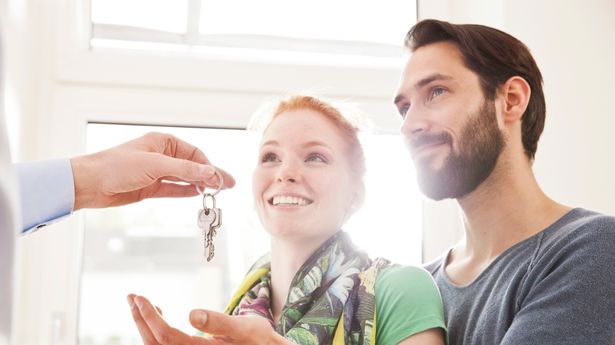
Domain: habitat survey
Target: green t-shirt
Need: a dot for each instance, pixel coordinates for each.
(407, 302)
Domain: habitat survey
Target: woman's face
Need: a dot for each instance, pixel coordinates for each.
(303, 186)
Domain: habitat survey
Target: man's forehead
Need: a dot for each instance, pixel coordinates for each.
(436, 58)
(440, 61)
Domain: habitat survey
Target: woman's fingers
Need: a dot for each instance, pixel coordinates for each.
(146, 333)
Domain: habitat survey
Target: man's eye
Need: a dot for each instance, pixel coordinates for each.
(435, 92)
(403, 110)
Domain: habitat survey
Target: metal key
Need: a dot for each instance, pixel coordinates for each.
(209, 220)
(206, 219)
(212, 232)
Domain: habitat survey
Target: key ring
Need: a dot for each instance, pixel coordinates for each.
(202, 192)
(213, 202)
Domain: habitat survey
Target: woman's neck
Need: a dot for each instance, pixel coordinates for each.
(287, 256)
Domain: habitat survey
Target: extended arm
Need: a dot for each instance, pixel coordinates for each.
(147, 167)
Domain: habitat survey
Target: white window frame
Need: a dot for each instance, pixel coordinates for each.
(77, 62)
(377, 53)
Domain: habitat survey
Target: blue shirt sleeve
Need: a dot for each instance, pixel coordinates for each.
(47, 192)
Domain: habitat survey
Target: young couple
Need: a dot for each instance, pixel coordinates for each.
(528, 270)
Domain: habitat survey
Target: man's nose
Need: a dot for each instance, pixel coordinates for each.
(414, 123)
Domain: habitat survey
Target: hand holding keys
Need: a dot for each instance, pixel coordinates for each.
(209, 219)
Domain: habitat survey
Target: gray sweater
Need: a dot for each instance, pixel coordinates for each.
(556, 287)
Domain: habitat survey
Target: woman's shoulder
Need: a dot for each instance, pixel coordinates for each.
(404, 277)
(407, 302)
(399, 286)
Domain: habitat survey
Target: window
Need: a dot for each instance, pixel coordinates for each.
(358, 28)
(154, 248)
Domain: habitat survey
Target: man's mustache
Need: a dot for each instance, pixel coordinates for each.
(418, 141)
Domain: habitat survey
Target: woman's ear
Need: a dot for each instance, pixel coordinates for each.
(358, 198)
(515, 95)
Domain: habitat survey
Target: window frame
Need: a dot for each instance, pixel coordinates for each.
(381, 54)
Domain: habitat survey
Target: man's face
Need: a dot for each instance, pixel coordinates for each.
(451, 130)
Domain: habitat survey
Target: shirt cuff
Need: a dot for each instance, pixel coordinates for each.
(47, 192)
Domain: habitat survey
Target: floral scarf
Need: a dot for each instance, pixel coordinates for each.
(331, 299)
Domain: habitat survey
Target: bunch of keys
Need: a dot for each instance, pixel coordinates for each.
(209, 219)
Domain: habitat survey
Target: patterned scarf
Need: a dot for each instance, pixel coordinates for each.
(331, 299)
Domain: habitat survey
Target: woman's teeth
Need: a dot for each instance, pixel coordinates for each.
(289, 200)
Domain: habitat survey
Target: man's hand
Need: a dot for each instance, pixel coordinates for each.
(143, 168)
(224, 329)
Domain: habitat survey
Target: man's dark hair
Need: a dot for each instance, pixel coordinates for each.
(494, 56)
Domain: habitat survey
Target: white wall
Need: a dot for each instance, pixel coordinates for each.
(575, 47)
(573, 43)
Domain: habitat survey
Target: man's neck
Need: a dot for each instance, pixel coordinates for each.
(507, 208)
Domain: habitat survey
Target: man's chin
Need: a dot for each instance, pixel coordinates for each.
(439, 185)
(434, 192)
(430, 185)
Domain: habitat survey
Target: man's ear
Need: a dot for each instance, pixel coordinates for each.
(515, 95)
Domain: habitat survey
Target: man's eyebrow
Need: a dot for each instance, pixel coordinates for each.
(430, 78)
(421, 83)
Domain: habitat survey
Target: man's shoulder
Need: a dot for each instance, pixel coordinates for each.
(578, 234)
(580, 224)
(435, 265)
(580, 217)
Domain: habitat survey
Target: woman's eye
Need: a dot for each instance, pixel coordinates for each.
(316, 157)
(269, 157)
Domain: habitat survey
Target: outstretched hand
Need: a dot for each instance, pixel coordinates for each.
(147, 167)
(223, 329)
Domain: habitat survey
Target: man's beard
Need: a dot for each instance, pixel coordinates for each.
(480, 145)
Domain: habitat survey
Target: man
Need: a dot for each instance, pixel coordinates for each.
(528, 270)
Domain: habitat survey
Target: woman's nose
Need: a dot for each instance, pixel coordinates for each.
(288, 172)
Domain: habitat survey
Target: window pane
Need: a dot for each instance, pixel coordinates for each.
(247, 28)
(163, 15)
(347, 20)
(154, 248)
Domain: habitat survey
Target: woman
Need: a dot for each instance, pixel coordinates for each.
(315, 287)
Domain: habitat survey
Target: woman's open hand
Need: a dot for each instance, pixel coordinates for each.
(223, 329)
